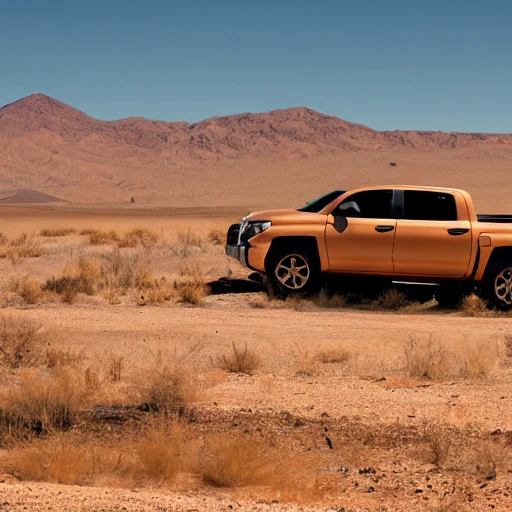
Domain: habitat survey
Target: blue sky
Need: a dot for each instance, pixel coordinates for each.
(390, 64)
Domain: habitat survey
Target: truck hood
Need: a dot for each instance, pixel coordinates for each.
(286, 216)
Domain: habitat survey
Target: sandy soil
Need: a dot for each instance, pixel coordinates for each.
(362, 422)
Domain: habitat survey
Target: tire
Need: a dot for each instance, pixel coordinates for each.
(291, 271)
(498, 284)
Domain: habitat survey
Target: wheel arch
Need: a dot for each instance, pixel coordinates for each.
(309, 243)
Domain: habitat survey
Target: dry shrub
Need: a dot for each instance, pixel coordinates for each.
(24, 246)
(21, 341)
(235, 461)
(44, 401)
(162, 291)
(391, 298)
(80, 277)
(163, 453)
(115, 365)
(432, 359)
(333, 355)
(325, 300)
(169, 383)
(138, 236)
(121, 271)
(98, 237)
(65, 358)
(239, 360)
(439, 441)
(216, 237)
(27, 288)
(305, 363)
(191, 292)
(65, 461)
(56, 232)
(472, 305)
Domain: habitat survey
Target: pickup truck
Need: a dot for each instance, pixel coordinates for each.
(401, 233)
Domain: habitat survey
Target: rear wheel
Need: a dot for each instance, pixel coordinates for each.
(292, 270)
(498, 283)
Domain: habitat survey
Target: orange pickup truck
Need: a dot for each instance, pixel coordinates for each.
(401, 233)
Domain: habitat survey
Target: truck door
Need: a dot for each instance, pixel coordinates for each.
(429, 239)
(360, 232)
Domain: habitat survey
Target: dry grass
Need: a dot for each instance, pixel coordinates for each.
(169, 382)
(439, 441)
(432, 359)
(507, 341)
(57, 232)
(163, 453)
(333, 355)
(65, 358)
(216, 237)
(394, 299)
(43, 402)
(235, 461)
(98, 237)
(138, 236)
(21, 341)
(81, 276)
(23, 246)
(27, 288)
(65, 461)
(325, 300)
(239, 360)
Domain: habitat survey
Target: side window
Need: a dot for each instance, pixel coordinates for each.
(371, 204)
(421, 205)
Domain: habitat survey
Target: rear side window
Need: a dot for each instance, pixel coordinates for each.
(421, 205)
(371, 204)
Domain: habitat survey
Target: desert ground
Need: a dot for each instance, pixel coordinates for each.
(127, 386)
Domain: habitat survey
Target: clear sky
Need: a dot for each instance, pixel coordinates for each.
(389, 64)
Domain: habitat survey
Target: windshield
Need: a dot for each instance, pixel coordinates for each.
(320, 203)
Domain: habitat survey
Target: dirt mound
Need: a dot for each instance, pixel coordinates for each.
(27, 196)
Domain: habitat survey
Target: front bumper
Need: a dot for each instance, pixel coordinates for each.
(238, 252)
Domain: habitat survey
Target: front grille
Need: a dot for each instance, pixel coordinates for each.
(232, 236)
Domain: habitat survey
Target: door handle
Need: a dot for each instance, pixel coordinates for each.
(384, 229)
(457, 231)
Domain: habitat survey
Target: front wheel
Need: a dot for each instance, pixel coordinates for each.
(292, 271)
(498, 283)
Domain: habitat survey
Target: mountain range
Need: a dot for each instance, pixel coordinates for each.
(268, 158)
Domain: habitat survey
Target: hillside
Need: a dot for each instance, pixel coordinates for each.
(247, 159)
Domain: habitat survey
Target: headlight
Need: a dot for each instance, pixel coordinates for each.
(254, 228)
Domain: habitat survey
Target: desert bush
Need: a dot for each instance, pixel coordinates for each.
(216, 237)
(333, 355)
(325, 300)
(432, 359)
(27, 288)
(234, 461)
(472, 305)
(163, 453)
(305, 364)
(56, 232)
(120, 270)
(115, 363)
(192, 291)
(239, 360)
(44, 402)
(162, 291)
(391, 298)
(24, 246)
(21, 341)
(439, 440)
(98, 237)
(65, 461)
(139, 236)
(81, 276)
(65, 358)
